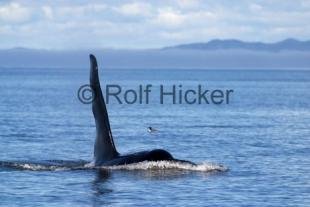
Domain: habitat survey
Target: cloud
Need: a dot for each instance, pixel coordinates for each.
(67, 12)
(48, 12)
(188, 4)
(65, 24)
(135, 9)
(169, 17)
(79, 11)
(255, 7)
(14, 13)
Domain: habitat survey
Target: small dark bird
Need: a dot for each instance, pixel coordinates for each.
(151, 129)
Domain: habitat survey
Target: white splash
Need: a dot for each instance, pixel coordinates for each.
(146, 165)
(166, 165)
(38, 167)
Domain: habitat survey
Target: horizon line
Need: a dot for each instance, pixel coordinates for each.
(155, 48)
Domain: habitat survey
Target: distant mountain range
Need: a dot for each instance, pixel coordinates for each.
(216, 54)
(287, 44)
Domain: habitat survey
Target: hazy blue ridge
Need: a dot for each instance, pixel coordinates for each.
(216, 54)
(217, 44)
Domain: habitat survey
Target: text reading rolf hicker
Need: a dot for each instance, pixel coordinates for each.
(172, 94)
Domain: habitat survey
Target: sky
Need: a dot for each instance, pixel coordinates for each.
(64, 24)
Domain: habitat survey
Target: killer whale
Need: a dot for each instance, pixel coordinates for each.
(105, 153)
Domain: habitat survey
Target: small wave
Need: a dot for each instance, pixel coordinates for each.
(230, 126)
(146, 165)
(27, 166)
(48, 165)
(38, 167)
(166, 165)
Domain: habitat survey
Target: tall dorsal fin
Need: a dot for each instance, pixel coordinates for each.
(104, 148)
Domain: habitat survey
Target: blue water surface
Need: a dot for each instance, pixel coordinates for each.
(262, 136)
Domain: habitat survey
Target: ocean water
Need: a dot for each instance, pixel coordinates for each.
(253, 151)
